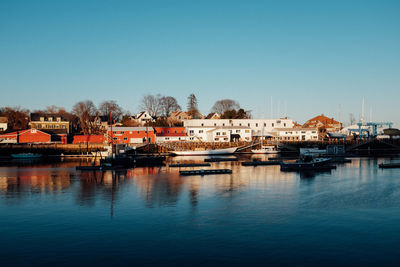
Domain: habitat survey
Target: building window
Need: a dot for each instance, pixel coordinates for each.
(41, 118)
(218, 133)
(284, 125)
(200, 131)
(125, 138)
(58, 119)
(265, 125)
(223, 124)
(223, 133)
(247, 131)
(237, 131)
(272, 124)
(122, 132)
(256, 124)
(202, 124)
(50, 118)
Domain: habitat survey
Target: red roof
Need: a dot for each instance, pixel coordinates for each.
(322, 119)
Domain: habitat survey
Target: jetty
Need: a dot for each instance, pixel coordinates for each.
(389, 165)
(190, 165)
(261, 163)
(220, 159)
(205, 172)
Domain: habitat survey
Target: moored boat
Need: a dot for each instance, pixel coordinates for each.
(307, 163)
(266, 150)
(26, 156)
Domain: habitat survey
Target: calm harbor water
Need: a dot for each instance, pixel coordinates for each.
(51, 214)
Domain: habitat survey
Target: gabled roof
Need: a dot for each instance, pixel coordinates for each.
(322, 119)
(46, 116)
(3, 119)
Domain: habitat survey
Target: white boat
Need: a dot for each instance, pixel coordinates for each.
(312, 151)
(223, 151)
(266, 150)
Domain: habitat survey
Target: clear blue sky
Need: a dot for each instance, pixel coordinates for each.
(310, 56)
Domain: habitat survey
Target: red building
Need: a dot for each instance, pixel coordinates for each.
(26, 136)
(169, 134)
(131, 135)
(89, 139)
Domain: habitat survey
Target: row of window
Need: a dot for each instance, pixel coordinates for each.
(248, 124)
(50, 126)
(122, 132)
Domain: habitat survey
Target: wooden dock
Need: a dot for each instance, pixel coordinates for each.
(205, 172)
(190, 165)
(261, 163)
(389, 165)
(220, 159)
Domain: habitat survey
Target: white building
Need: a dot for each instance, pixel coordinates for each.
(143, 117)
(219, 133)
(3, 123)
(257, 126)
(296, 134)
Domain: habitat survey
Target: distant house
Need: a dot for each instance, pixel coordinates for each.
(180, 116)
(213, 116)
(131, 135)
(170, 134)
(26, 136)
(321, 121)
(144, 117)
(48, 121)
(3, 124)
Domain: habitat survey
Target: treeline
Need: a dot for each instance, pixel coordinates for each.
(85, 116)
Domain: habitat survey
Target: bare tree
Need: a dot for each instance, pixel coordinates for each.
(151, 104)
(86, 112)
(224, 105)
(107, 108)
(168, 104)
(192, 105)
(18, 118)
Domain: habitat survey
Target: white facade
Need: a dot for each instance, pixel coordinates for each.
(162, 139)
(3, 126)
(143, 117)
(257, 126)
(219, 134)
(296, 134)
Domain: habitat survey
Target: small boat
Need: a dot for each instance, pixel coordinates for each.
(312, 151)
(26, 156)
(266, 150)
(307, 162)
(337, 135)
(223, 151)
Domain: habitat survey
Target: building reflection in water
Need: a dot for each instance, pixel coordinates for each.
(157, 186)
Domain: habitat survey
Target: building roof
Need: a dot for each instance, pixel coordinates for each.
(46, 116)
(150, 129)
(3, 119)
(212, 114)
(322, 119)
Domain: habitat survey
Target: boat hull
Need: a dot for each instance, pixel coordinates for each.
(224, 151)
(26, 156)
